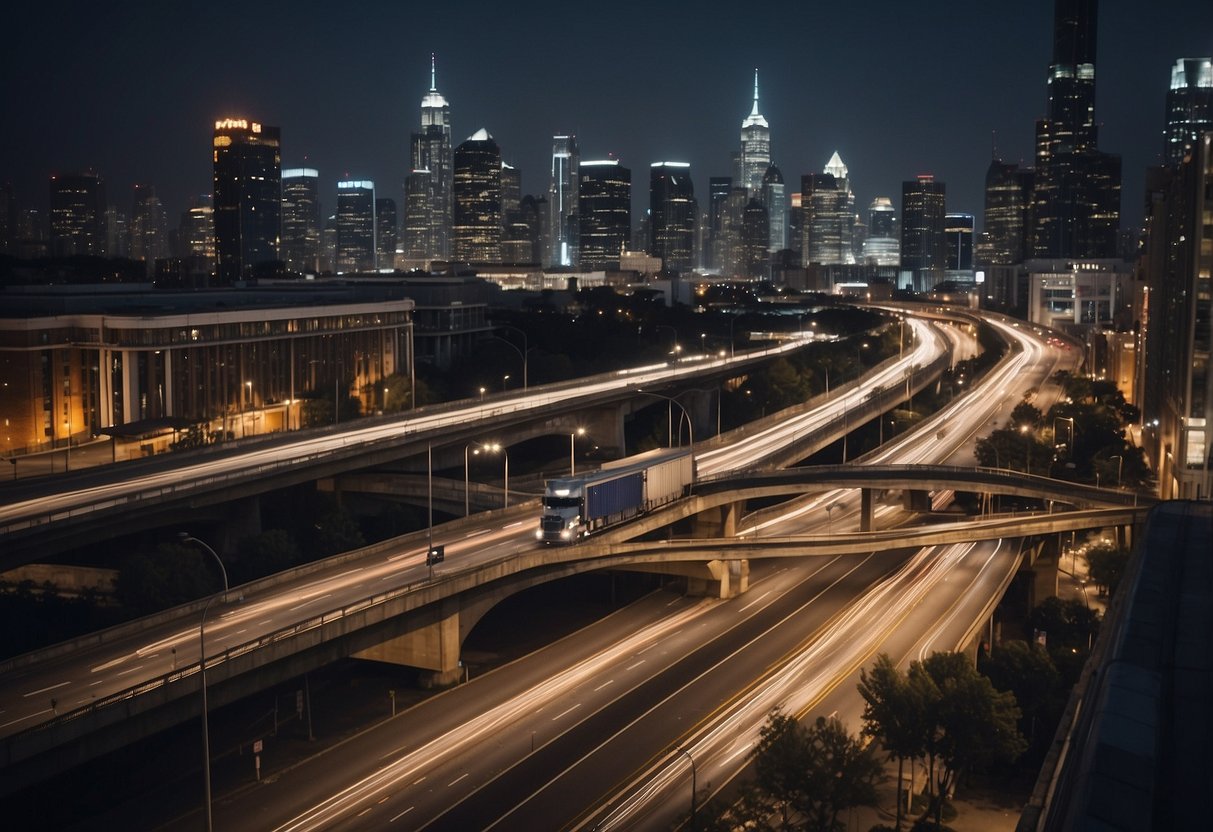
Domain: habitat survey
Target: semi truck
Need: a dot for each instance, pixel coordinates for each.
(582, 504)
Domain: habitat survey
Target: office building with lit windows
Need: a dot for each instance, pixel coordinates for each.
(1189, 106)
(1007, 219)
(428, 187)
(386, 232)
(755, 155)
(775, 200)
(882, 247)
(476, 228)
(604, 212)
(562, 201)
(827, 205)
(923, 247)
(356, 249)
(672, 215)
(247, 166)
(301, 220)
(77, 215)
(958, 237)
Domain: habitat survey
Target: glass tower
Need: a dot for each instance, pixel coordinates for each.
(77, 215)
(301, 219)
(755, 156)
(672, 212)
(428, 187)
(828, 207)
(922, 225)
(1189, 106)
(355, 226)
(562, 201)
(604, 201)
(248, 196)
(476, 226)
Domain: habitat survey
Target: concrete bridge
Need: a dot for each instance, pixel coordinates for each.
(424, 622)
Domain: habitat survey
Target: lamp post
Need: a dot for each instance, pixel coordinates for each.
(1070, 444)
(521, 352)
(385, 399)
(248, 402)
(830, 517)
(694, 788)
(465, 475)
(505, 382)
(481, 394)
(573, 449)
(859, 358)
(1120, 462)
(703, 343)
(690, 424)
(185, 537)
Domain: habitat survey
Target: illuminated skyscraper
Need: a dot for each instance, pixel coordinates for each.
(511, 188)
(476, 228)
(385, 233)
(355, 226)
(428, 188)
(1189, 106)
(197, 232)
(604, 202)
(301, 219)
(149, 227)
(755, 156)
(248, 197)
(755, 240)
(828, 208)
(1006, 223)
(562, 201)
(718, 192)
(882, 247)
(775, 201)
(923, 248)
(1077, 187)
(672, 213)
(77, 212)
(958, 237)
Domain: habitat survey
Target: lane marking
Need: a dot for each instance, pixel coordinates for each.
(569, 711)
(402, 814)
(44, 690)
(603, 685)
(457, 779)
(638, 664)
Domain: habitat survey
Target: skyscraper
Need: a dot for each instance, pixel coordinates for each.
(385, 233)
(149, 227)
(511, 188)
(828, 208)
(1189, 106)
(562, 201)
(775, 201)
(882, 247)
(1178, 390)
(355, 226)
(197, 232)
(923, 248)
(77, 212)
(428, 187)
(301, 219)
(672, 213)
(604, 199)
(718, 192)
(958, 237)
(1077, 187)
(755, 156)
(755, 240)
(476, 226)
(1006, 221)
(248, 196)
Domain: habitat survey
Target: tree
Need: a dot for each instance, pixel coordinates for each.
(335, 532)
(264, 554)
(894, 713)
(1026, 414)
(1027, 671)
(971, 723)
(173, 574)
(1106, 565)
(805, 777)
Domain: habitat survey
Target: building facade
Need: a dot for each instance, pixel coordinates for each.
(755, 155)
(958, 237)
(1189, 107)
(882, 247)
(828, 209)
(672, 215)
(247, 197)
(923, 248)
(562, 201)
(77, 211)
(1007, 219)
(775, 199)
(149, 228)
(386, 233)
(476, 228)
(301, 220)
(356, 248)
(604, 202)
(428, 188)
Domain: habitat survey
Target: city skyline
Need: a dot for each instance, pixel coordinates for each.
(350, 116)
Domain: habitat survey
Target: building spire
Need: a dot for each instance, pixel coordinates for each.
(433, 74)
(754, 112)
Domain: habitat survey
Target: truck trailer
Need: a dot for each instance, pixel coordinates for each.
(576, 506)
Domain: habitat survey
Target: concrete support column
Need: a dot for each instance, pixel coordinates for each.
(716, 522)
(432, 646)
(130, 386)
(865, 509)
(916, 499)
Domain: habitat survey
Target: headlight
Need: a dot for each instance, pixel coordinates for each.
(564, 535)
(539, 534)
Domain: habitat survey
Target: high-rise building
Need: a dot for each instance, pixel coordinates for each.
(1006, 222)
(522, 235)
(77, 215)
(672, 214)
(718, 192)
(756, 240)
(301, 219)
(197, 232)
(511, 188)
(248, 197)
(755, 156)
(958, 237)
(476, 218)
(734, 259)
(775, 200)
(923, 248)
(355, 226)
(828, 208)
(149, 227)
(604, 200)
(386, 231)
(117, 230)
(562, 201)
(1076, 202)
(796, 223)
(1177, 395)
(1189, 106)
(428, 188)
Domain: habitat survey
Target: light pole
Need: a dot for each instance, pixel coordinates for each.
(505, 382)
(859, 359)
(465, 475)
(573, 449)
(694, 788)
(690, 424)
(1027, 448)
(385, 400)
(830, 517)
(481, 394)
(521, 352)
(185, 537)
(248, 403)
(1120, 462)
(703, 345)
(1070, 445)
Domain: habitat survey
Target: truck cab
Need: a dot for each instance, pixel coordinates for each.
(562, 512)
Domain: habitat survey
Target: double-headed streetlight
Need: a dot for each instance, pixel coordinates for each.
(487, 447)
(185, 537)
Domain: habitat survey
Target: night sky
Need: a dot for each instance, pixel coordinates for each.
(131, 90)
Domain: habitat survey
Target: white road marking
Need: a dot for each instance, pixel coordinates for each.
(44, 690)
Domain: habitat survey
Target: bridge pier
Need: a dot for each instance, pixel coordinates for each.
(433, 646)
(718, 522)
(915, 499)
(705, 579)
(865, 509)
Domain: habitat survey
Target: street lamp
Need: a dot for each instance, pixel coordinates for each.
(694, 825)
(859, 358)
(1027, 445)
(505, 382)
(185, 537)
(1070, 445)
(573, 448)
(481, 394)
(830, 517)
(690, 424)
(523, 353)
(1120, 462)
(248, 386)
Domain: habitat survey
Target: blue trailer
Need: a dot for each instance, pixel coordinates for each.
(576, 506)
